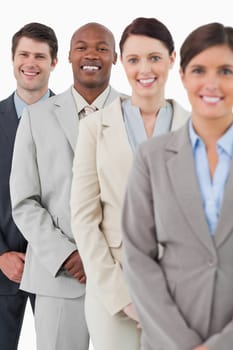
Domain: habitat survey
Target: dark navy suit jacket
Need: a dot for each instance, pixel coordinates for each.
(11, 238)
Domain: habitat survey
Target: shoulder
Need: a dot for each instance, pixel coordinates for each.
(105, 115)
(7, 101)
(53, 100)
(180, 115)
(114, 94)
(167, 143)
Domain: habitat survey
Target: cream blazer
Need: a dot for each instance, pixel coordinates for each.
(102, 161)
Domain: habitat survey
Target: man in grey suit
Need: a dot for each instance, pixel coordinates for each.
(34, 56)
(40, 191)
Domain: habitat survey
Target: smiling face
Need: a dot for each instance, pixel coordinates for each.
(32, 64)
(146, 62)
(92, 55)
(208, 80)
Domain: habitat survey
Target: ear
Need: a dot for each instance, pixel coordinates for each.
(172, 59)
(114, 58)
(54, 63)
(182, 77)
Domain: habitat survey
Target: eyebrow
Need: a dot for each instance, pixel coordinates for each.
(98, 42)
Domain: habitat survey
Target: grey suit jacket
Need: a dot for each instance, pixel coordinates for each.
(185, 298)
(40, 184)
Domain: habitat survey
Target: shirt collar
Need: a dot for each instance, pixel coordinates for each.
(20, 104)
(195, 139)
(98, 103)
(225, 141)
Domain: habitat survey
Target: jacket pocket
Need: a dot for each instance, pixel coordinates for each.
(114, 238)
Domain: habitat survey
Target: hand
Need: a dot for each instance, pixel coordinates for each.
(12, 265)
(201, 347)
(130, 311)
(74, 266)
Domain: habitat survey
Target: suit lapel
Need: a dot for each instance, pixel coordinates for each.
(9, 120)
(67, 116)
(115, 142)
(225, 224)
(182, 172)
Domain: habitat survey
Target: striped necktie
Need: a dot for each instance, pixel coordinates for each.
(87, 110)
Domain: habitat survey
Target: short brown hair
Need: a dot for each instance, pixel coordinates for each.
(39, 32)
(202, 38)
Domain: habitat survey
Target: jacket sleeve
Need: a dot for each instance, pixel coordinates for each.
(3, 246)
(30, 215)
(104, 273)
(161, 321)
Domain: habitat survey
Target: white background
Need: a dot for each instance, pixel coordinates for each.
(65, 17)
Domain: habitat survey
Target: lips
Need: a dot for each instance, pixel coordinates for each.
(30, 74)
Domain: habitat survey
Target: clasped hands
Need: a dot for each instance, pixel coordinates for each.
(130, 311)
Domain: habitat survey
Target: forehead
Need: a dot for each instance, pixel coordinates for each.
(141, 44)
(215, 55)
(93, 33)
(31, 45)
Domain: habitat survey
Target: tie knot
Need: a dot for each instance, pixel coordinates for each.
(88, 109)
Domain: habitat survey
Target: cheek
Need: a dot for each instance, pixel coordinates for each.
(130, 73)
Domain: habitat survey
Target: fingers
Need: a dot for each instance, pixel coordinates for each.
(74, 267)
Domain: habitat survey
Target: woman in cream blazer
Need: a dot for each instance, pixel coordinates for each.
(104, 153)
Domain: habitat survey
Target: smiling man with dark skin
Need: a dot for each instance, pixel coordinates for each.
(92, 53)
(40, 193)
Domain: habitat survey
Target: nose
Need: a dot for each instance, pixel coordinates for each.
(91, 53)
(30, 60)
(212, 81)
(145, 66)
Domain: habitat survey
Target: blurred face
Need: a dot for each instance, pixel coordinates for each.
(146, 62)
(208, 79)
(91, 55)
(32, 64)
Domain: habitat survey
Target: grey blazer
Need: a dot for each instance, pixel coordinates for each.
(185, 298)
(40, 184)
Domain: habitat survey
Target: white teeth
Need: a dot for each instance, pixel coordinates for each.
(91, 68)
(146, 81)
(210, 99)
(30, 73)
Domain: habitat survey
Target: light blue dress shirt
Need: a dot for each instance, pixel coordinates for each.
(212, 190)
(134, 123)
(20, 104)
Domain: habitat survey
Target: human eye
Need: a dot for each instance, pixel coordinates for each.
(103, 49)
(132, 60)
(155, 58)
(197, 70)
(40, 56)
(80, 48)
(22, 54)
(226, 71)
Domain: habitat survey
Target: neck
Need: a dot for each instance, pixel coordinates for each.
(210, 130)
(89, 93)
(148, 105)
(31, 96)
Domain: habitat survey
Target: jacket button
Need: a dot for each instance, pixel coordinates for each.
(211, 262)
